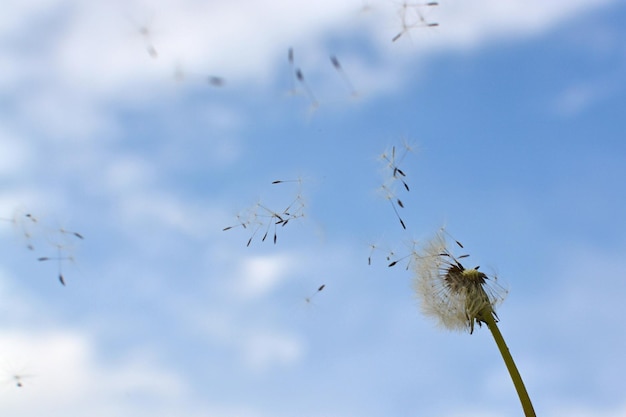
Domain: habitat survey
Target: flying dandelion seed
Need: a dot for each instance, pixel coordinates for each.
(144, 29)
(412, 17)
(393, 164)
(309, 299)
(18, 380)
(146, 34)
(365, 7)
(216, 81)
(59, 260)
(262, 216)
(337, 65)
(292, 71)
(24, 224)
(394, 174)
(299, 181)
(63, 248)
(241, 223)
(14, 377)
(307, 89)
(394, 201)
(391, 258)
(181, 74)
(408, 258)
(152, 51)
(375, 248)
(68, 232)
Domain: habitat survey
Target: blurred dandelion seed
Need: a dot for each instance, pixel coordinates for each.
(412, 17)
(181, 74)
(216, 81)
(307, 89)
(309, 299)
(292, 72)
(68, 232)
(337, 65)
(146, 33)
(297, 180)
(373, 248)
(23, 223)
(152, 50)
(63, 247)
(17, 379)
(59, 260)
(14, 376)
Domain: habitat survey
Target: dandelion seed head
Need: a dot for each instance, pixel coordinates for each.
(455, 296)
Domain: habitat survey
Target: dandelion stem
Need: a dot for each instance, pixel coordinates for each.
(529, 411)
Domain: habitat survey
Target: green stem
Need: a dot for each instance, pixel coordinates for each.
(510, 365)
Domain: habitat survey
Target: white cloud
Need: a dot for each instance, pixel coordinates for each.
(63, 376)
(260, 275)
(60, 112)
(489, 21)
(15, 154)
(129, 172)
(90, 55)
(101, 54)
(264, 350)
(159, 211)
(577, 98)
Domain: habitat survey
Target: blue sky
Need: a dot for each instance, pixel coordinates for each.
(515, 115)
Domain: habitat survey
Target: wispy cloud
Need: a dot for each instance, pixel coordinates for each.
(580, 97)
(64, 375)
(262, 274)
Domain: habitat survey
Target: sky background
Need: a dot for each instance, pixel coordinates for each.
(515, 115)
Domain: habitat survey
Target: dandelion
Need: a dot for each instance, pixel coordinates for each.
(460, 297)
